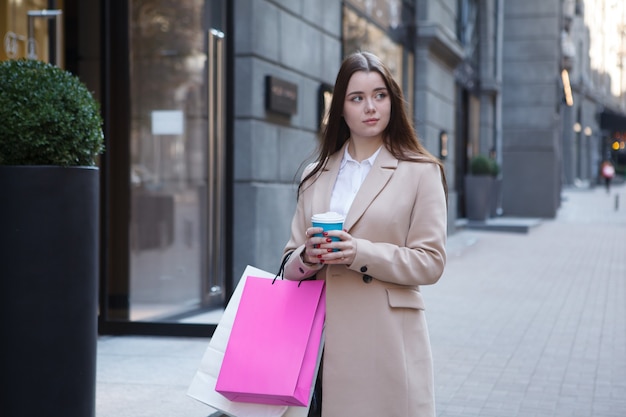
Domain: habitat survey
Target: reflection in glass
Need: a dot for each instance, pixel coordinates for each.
(168, 159)
(386, 13)
(359, 35)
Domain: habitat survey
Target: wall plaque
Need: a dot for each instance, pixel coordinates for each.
(281, 96)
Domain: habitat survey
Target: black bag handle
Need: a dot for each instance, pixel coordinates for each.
(281, 270)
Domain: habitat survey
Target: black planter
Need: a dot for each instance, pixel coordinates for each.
(48, 290)
(478, 197)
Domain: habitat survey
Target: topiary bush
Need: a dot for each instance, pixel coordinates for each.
(481, 165)
(47, 116)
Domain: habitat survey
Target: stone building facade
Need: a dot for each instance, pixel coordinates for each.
(531, 108)
(304, 42)
(213, 108)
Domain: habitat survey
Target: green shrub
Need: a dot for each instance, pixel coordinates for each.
(480, 165)
(47, 116)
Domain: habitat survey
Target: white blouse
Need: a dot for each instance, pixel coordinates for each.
(351, 175)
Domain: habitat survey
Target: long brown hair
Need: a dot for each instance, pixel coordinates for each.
(399, 136)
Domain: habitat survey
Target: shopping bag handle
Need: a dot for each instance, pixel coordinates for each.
(281, 271)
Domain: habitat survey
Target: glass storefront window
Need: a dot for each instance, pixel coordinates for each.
(24, 37)
(380, 27)
(467, 29)
(386, 13)
(172, 278)
(360, 35)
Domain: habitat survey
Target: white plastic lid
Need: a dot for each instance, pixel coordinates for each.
(328, 217)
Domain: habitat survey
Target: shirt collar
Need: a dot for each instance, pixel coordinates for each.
(347, 157)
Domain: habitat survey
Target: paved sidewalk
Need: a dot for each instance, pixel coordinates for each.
(521, 325)
(535, 325)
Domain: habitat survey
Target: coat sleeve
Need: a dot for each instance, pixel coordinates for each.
(295, 269)
(421, 259)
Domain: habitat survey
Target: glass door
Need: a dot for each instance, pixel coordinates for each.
(177, 170)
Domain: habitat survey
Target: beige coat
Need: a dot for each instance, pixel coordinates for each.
(377, 357)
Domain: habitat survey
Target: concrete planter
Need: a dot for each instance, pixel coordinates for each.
(478, 197)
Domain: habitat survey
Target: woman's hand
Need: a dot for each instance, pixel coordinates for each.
(324, 250)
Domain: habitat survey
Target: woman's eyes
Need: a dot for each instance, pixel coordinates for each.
(377, 96)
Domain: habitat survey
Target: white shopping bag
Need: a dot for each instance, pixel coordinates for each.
(202, 386)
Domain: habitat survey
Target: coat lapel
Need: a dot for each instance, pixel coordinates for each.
(326, 182)
(381, 172)
(384, 166)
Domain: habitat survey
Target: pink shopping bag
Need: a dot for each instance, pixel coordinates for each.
(273, 348)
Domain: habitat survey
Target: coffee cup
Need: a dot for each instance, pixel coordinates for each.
(328, 221)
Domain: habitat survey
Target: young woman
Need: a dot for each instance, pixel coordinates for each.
(372, 169)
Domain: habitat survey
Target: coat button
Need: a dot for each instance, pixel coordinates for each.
(364, 269)
(367, 279)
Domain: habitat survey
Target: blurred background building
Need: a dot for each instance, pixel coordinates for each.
(594, 55)
(213, 107)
